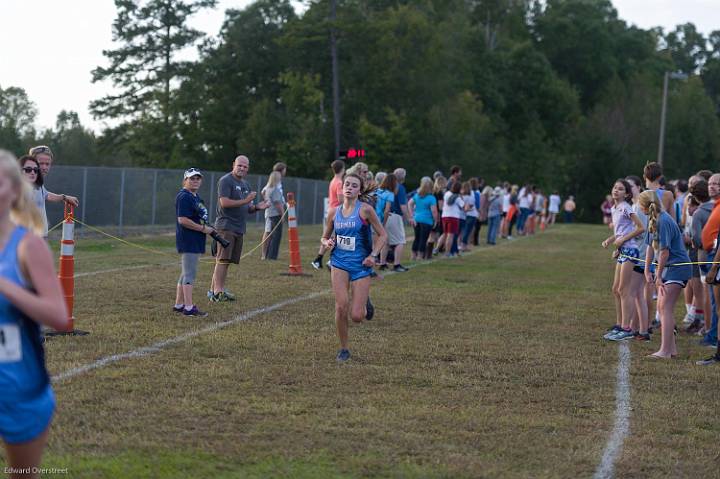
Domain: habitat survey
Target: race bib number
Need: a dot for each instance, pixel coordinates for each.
(346, 243)
(10, 346)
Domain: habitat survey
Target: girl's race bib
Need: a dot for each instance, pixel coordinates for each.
(10, 346)
(346, 243)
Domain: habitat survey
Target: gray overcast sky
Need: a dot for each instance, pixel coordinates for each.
(53, 64)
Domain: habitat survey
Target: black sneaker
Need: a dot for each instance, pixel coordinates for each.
(369, 310)
(383, 267)
(642, 337)
(708, 361)
(317, 263)
(398, 268)
(195, 312)
(178, 310)
(343, 355)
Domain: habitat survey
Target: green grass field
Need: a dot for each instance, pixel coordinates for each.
(491, 365)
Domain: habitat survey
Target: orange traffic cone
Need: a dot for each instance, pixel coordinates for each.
(295, 268)
(66, 273)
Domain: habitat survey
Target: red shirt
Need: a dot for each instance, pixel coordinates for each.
(711, 228)
(335, 190)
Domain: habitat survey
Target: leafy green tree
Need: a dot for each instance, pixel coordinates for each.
(17, 119)
(144, 68)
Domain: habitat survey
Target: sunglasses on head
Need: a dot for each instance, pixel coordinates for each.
(31, 169)
(40, 150)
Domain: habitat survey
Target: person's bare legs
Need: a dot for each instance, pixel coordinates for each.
(179, 295)
(448, 243)
(637, 286)
(360, 291)
(187, 294)
(708, 306)
(26, 455)
(616, 294)
(265, 244)
(666, 304)
(219, 277)
(398, 253)
(340, 280)
(627, 300)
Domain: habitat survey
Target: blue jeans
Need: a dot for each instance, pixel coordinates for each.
(454, 249)
(568, 216)
(493, 227)
(469, 226)
(711, 336)
(524, 214)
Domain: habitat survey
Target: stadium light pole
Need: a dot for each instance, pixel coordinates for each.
(335, 78)
(663, 113)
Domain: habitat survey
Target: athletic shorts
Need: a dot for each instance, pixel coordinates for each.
(629, 254)
(232, 253)
(451, 225)
(23, 421)
(395, 229)
(675, 281)
(355, 272)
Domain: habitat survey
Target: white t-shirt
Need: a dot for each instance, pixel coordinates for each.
(454, 210)
(470, 200)
(524, 199)
(506, 203)
(554, 204)
(39, 197)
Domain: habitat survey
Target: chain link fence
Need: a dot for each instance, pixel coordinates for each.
(127, 199)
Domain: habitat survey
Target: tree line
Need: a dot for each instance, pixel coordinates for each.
(561, 93)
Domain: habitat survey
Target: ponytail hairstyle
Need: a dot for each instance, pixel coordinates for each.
(628, 189)
(366, 190)
(23, 211)
(648, 200)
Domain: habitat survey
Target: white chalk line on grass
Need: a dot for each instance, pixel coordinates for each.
(613, 448)
(159, 346)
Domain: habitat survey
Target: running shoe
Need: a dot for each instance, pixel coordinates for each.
(642, 337)
(210, 294)
(178, 310)
(694, 326)
(383, 267)
(369, 310)
(688, 318)
(230, 296)
(709, 361)
(655, 323)
(194, 312)
(612, 332)
(220, 297)
(398, 268)
(622, 336)
(343, 355)
(316, 263)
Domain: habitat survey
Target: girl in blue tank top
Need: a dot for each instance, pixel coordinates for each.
(30, 295)
(348, 232)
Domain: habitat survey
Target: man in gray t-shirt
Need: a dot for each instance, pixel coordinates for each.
(235, 203)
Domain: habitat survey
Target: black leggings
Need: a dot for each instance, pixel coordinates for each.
(512, 223)
(422, 233)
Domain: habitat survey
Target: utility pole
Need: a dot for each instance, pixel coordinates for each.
(663, 113)
(335, 78)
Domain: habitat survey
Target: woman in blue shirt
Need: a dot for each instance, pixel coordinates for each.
(30, 295)
(423, 209)
(354, 253)
(666, 246)
(190, 231)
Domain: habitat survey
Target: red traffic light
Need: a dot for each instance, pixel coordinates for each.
(353, 153)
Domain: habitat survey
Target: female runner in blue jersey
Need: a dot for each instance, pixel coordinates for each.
(354, 253)
(30, 295)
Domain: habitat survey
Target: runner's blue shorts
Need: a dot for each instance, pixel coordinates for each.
(23, 421)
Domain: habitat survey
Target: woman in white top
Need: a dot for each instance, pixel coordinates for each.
(453, 206)
(471, 215)
(554, 207)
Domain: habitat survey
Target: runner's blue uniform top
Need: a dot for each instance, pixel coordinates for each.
(26, 398)
(353, 243)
